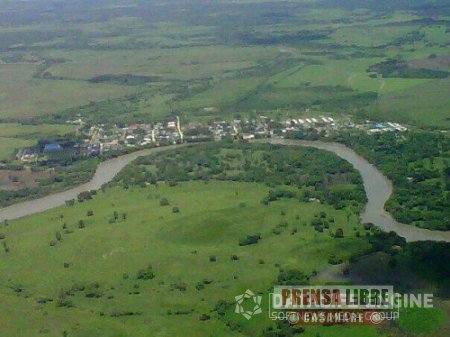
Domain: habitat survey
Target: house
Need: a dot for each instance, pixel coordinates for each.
(52, 147)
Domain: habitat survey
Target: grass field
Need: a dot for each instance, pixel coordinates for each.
(211, 221)
(405, 106)
(289, 56)
(8, 146)
(22, 96)
(16, 136)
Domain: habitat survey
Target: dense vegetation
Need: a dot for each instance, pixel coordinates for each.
(63, 176)
(418, 164)
(289, 172)
(399, 68)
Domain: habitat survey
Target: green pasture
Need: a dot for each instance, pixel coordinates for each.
(15, 136)
(9, 146)
(212, 219)
(22, 96)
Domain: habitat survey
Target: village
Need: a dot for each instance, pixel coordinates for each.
(100, 139)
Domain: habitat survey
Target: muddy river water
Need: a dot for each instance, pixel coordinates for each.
(378, 189)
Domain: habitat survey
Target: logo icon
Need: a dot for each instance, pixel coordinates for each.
(376, 317)
(251, 297)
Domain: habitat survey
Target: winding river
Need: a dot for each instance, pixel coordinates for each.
(378, 189)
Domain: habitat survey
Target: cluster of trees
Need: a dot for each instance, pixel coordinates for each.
(250, 240)
(398, 67)
(66, 175)
(293, 173)
(418, 165)
(127, 79)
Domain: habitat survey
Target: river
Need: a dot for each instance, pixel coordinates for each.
(378, 189)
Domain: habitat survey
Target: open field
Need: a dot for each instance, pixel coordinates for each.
(8, 146)
(405, 106)
(211, 221)
(88, 282)
(179, 57)
(16, 136)
(22, 96)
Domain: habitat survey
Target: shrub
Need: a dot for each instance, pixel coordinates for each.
(276, 231)
(52, 243)
(70, 202)
(212, 258)
(81, 224)
(175, 210)
(146, 274)
(63, 300)
(179, 286)
(292, 277)
(58, 236)
(334, 260)
(2, 236)
(339, 233)
(164, 202)
(204, 317)
(90, 212)
(199, 286)
(221, 307)
(87, 195)
(368, 226)
(250, 240)
(234, 257)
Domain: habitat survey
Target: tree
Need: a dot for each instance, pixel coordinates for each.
(58, 236)
(70, 202)
(339, 233)
(146, 274)
(81, 224)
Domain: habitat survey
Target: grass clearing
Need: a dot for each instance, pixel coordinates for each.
(211, 221)
(8, 146)
(22, 96)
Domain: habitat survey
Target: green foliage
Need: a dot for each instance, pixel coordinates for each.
(292, 174)
(250, 240)
(146, 273)
(417, 164)
(164, 202)
(292, 277)
(399, 68)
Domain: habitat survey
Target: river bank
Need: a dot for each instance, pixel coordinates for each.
(378, 189)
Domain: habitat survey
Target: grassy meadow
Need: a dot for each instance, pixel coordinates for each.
(156, 260)
(104, 259)
(288, 57)
(15, 136)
